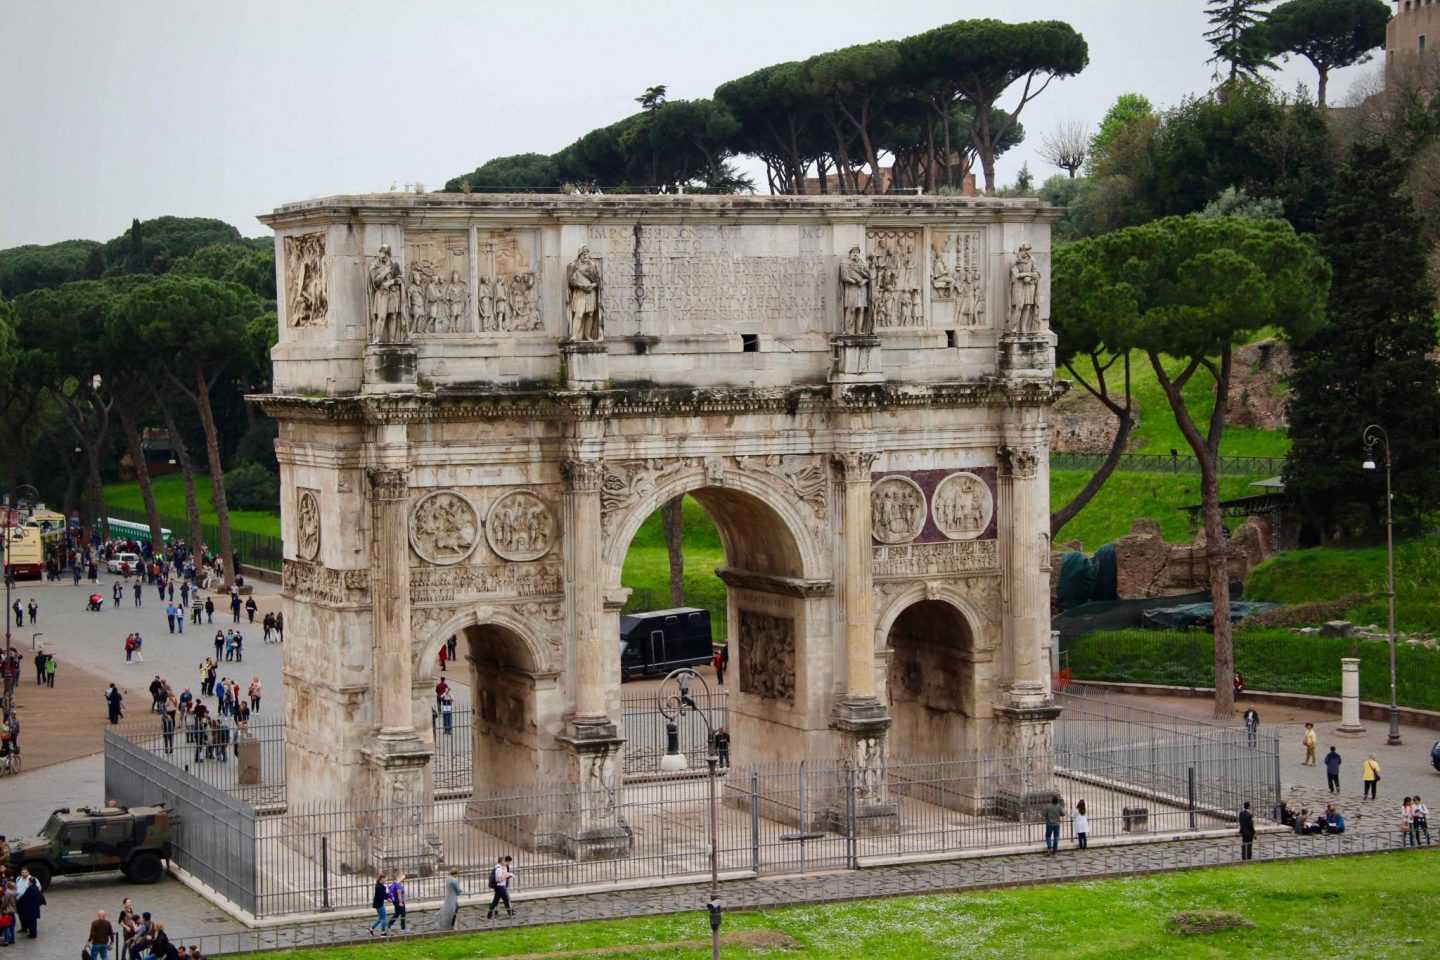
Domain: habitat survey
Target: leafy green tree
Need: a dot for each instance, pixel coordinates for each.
(1127, 110)
(1237, 203)
(857, 85)
(152, 245)
(197, 326)
(1328, 33)
(983, 59)
(32, 266)
(251, 487)
(780, 121)
(519, 172)
(1192, 289)
(234, 262)
(1231, 36)
(1372, 363)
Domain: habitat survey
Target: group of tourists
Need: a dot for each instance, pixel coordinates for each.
(212, 732)
(135, 935)
(21, 897)
(390, 900)
(32, 608)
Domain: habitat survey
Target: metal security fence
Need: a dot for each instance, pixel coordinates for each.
(1161, 463)
(256, 549)
(645, 730)
(216, 837)
(246, 764)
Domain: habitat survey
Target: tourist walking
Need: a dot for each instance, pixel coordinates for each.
(31, 899)
(1370, 778)
(170, 615)
(167, 730)
(1247, 833)
(1407, 823)
(50, 670)
(254, 693)
(1421, 823)
(101, 933)
(1252, 726)
(209, 610)
(377, 903)
(115, 593)
(114, 699)
(1082, 825)
(250, 607)
(1309, 741)
(1053, 814)
(138, 590)
(500, 877)
(235, 606)
(33, 609)
(722, 746)
(718, 662)
(450, 909)
(397, 897)
(9, 911)
(1332, 770)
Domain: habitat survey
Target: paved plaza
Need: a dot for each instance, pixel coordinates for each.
(67, 721)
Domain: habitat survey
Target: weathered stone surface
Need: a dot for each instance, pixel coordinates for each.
(1337, 628)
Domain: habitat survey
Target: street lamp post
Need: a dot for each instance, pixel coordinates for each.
(672, 708)
(1376, 435)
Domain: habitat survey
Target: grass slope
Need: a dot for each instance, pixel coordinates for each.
(1159, 433)
(1127, 496)
(1324, 573)
(1380, 905)
(170, 501)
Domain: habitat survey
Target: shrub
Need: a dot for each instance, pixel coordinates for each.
(252, 487)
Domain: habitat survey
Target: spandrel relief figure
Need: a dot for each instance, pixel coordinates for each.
(855, 283)
(582, 278)
(457, 295)
(437, 311)
(520, 300)
(487, 306)
(387, 300)
(502, 304)
(1024, 293)
(415, 301)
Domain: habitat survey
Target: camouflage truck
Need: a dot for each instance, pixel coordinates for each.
(134, 840)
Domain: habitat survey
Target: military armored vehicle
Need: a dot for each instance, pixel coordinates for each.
(134, 840)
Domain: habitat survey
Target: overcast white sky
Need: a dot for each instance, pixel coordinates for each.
(116, 109)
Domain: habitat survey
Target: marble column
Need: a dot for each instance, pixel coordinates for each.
(860, 719)
(1350, 698)
(595, 829)
(399, 839)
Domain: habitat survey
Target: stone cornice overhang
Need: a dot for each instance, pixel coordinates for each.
(456, 404)
(459, 209)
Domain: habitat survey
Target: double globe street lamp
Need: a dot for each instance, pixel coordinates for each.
(675, 703)
(1375, 436)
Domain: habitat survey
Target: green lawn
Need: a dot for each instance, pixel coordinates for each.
(170, 500)
(1276, 660)
(1382, 905)
(1159, 433)
(1326, 573)
(1127, 496)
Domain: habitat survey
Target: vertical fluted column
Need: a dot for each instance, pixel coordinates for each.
(1025, 537)
(854, 469)
(390, 623)
(583, 586)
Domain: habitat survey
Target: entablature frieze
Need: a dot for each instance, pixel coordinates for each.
(769, 583)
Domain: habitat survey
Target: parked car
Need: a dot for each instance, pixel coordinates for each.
(134, 840)
(654, 643)
(126, 563)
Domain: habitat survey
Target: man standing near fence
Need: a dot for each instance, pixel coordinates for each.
(1053, 814)
(1332, 770)
(1247, 833)
(500, 877)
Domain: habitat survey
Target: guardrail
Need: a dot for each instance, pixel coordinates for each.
(1161, 463)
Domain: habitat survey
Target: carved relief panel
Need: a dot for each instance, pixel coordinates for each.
(520, 526)
(506, 294)
(957, 283)
(767, 656)
(962, 506)
(895, 265)
(307, 525)
(437, 282)
(897, 510)
(307, 291)
(444, 527)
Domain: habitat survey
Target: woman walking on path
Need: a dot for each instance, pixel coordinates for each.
(1407, 823)
(397, 897)
(1370, 775)
(255, 694)
(1309, 742)
(450, 909)
(377, 903)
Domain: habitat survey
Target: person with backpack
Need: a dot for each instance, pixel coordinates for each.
(500, 877)
(396, 891)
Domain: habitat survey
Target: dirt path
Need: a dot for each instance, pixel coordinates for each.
(66, 722)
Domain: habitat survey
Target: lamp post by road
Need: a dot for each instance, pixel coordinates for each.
(673, 707)
(1375, 435)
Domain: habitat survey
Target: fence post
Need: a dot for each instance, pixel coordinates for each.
(754, 820)
(324, 873)
(1190, 788)
(1278, 799)
(852, 858)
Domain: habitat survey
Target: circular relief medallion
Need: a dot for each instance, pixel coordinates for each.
(962, 506)
(308, 526)
(897, 510)
(520, 527)
(444, 527)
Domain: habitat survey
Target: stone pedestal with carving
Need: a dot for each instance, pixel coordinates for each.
(863, 727)
(587, 364)
(594, 828)
(1027, 780)
(399, 838)
(389, 368)
(1028, 354)
(855, 359)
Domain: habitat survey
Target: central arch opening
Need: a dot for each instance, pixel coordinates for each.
(504, 744)
(741, 562)
(931, 678)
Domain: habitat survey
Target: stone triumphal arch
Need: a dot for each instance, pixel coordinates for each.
(481, 398)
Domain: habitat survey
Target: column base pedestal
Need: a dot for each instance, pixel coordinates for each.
(400, 838)
(587, 364)
(1027, 781)
(865, 805)
(855, 359)
(594, 828)
(389, 368)
(1028, 354)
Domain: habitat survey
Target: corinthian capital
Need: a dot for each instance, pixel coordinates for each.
(389, 483)
(1021, 461)
(582, 476)
(853, 465)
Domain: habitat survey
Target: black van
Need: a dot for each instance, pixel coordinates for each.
(654, 643)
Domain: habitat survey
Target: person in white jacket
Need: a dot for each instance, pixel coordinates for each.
(1082, 825)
